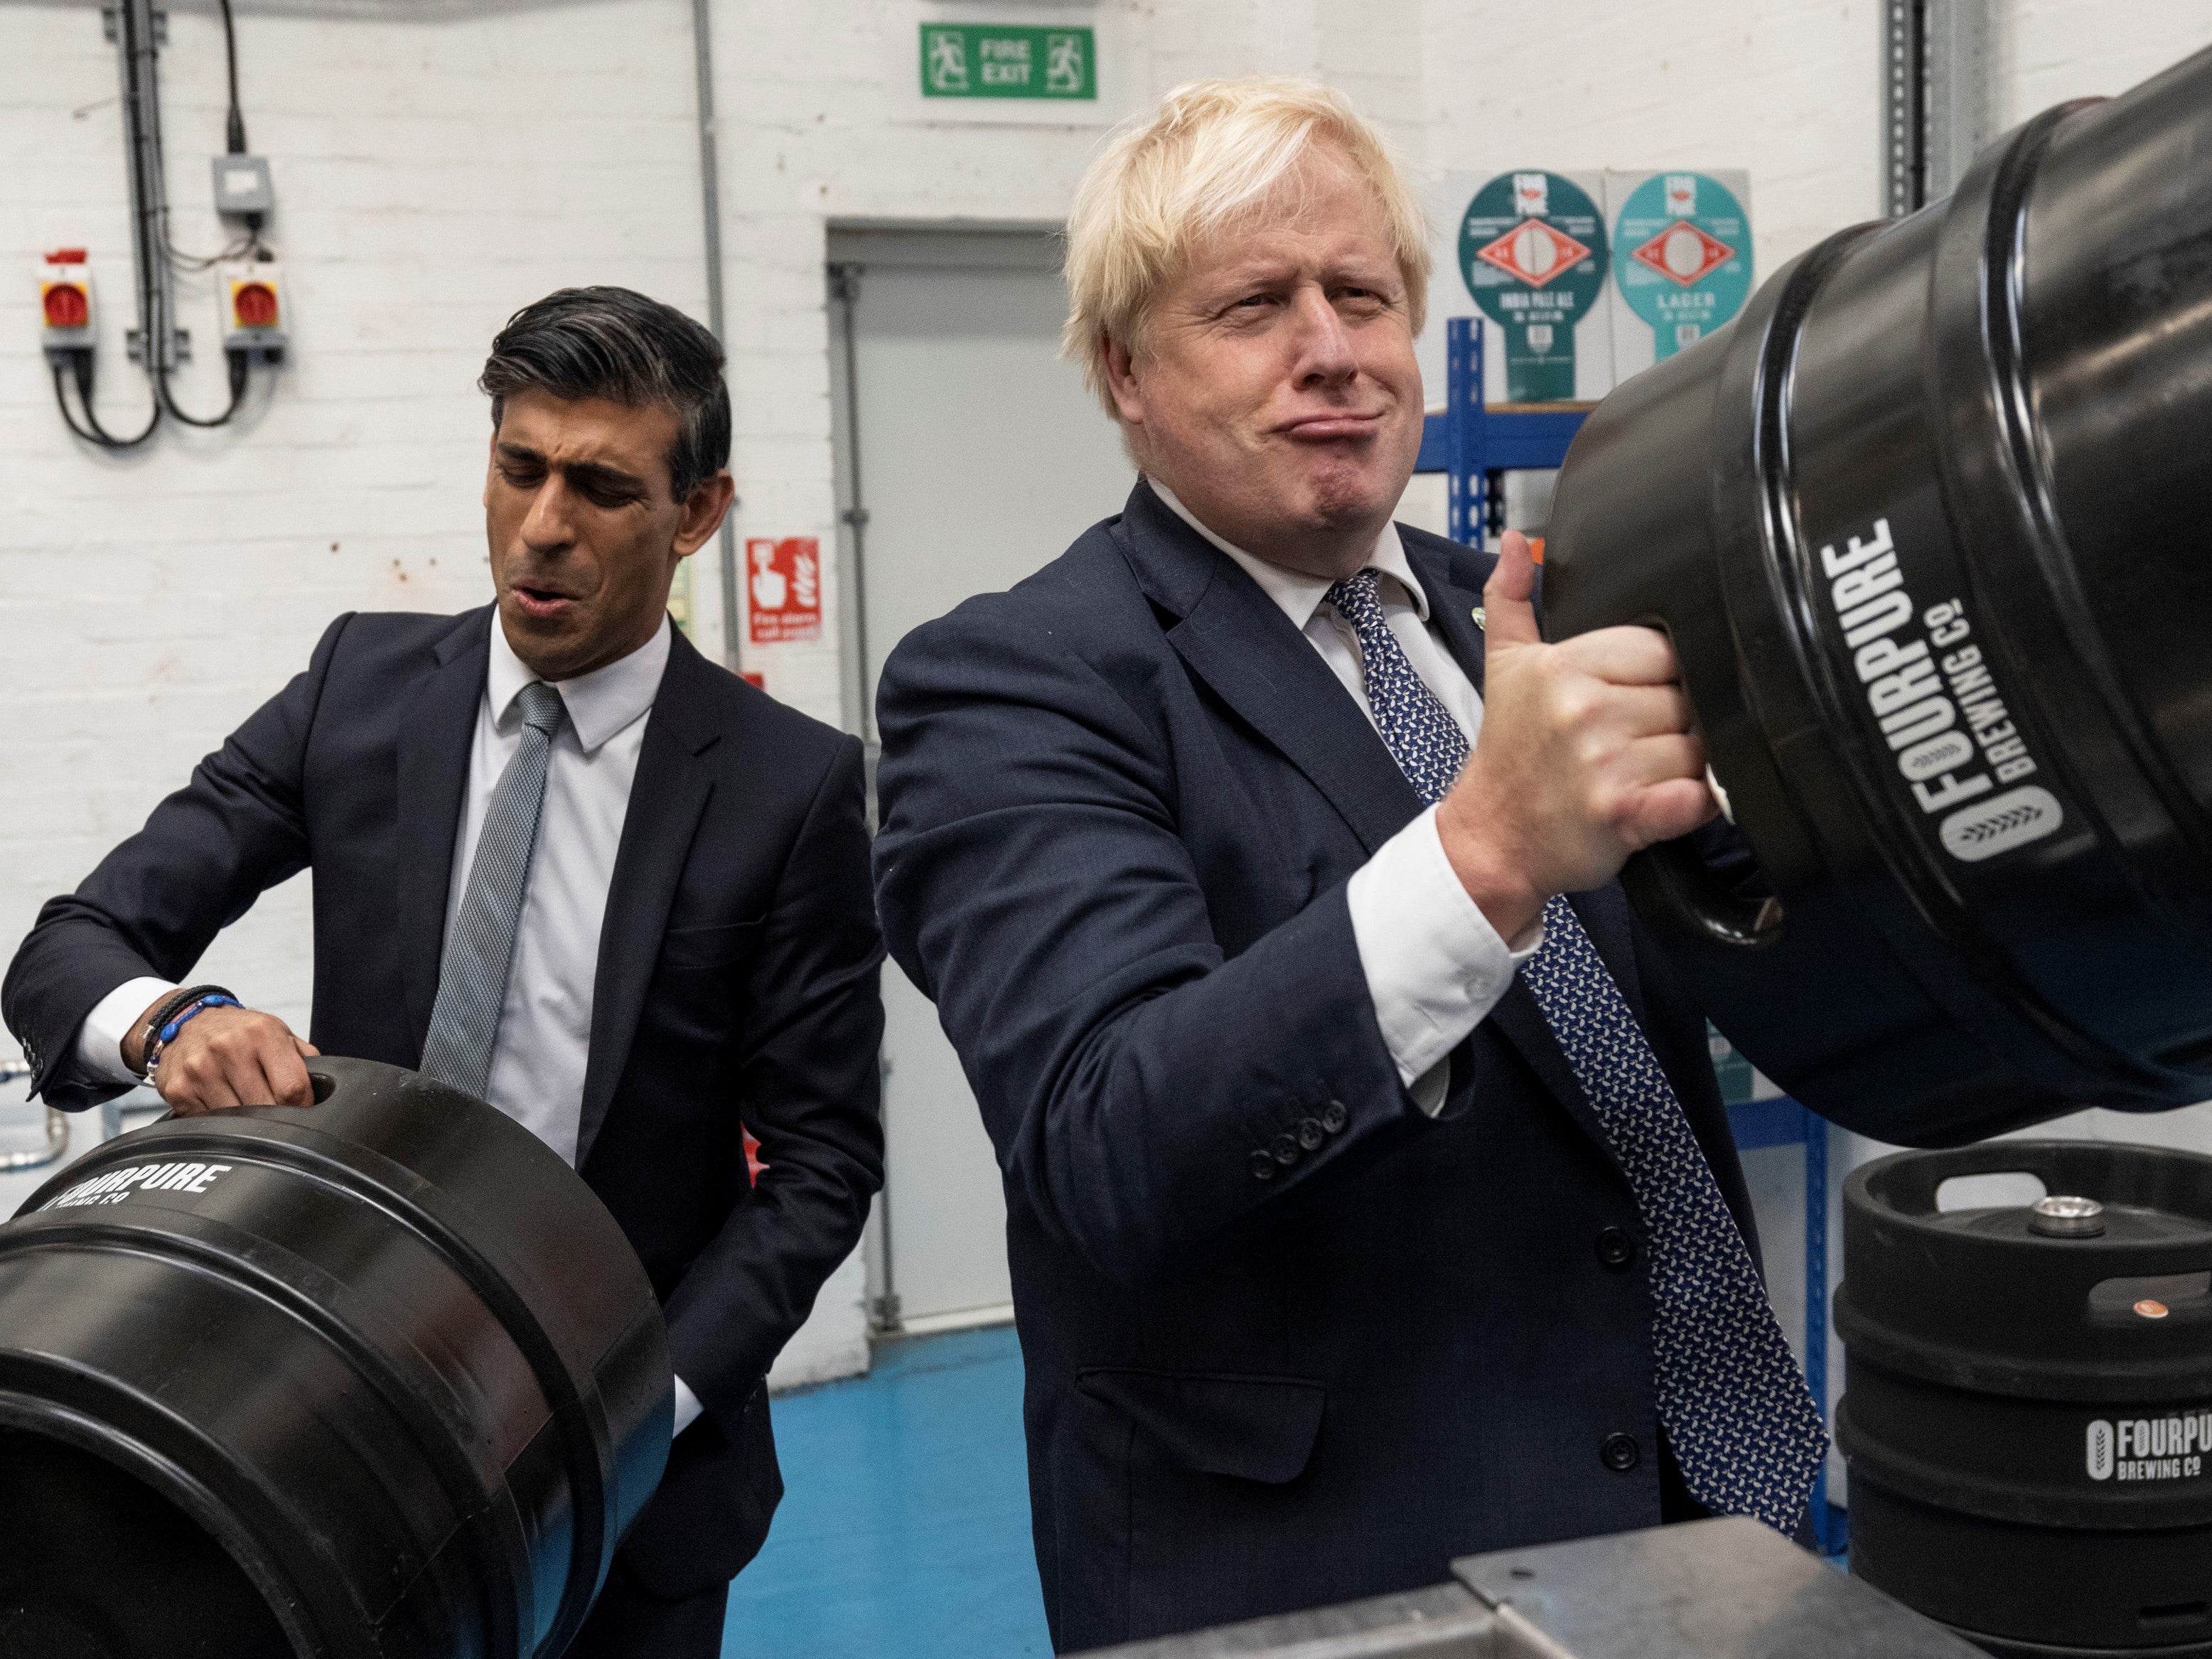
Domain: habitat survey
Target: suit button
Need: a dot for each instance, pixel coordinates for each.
(1309, 1134)
(1284, 1146)
(1615, 1248)
(1333, 1117)
(1262, 1167)
(1620, 1453)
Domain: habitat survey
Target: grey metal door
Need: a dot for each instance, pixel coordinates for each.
(968, 455)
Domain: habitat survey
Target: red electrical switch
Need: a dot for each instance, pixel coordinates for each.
(65, 315)
(254, 304)
(253, 308)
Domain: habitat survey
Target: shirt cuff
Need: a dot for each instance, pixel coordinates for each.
(100, 1039)
(687, 1408)
(1435, 966)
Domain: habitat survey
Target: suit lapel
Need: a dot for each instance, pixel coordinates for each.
(435, 736)
(666, 799)
(1451, 608)
(1238, 641)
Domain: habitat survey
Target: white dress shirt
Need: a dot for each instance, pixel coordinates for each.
(1435, 966)
(545, 1027)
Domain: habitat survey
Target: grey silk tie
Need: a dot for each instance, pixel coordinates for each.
(480, 949)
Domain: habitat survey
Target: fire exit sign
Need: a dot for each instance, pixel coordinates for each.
(1003, 60)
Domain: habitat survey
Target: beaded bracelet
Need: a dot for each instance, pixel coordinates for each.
(177, 1021)
(175, 1004)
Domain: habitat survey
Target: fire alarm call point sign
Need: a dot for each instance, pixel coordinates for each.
(783, 582)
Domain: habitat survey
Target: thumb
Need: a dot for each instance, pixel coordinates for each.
(1508, 617)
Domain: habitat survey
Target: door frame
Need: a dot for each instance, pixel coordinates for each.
(852, 248)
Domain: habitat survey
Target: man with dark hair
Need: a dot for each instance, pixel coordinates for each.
(566, 864)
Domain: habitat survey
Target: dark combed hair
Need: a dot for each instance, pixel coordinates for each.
(614, 344)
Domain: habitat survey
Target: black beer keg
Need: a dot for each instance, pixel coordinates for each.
(1928, 527)
(2027, 1404)
(379, 1379)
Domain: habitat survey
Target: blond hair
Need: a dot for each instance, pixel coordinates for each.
(1210, 154)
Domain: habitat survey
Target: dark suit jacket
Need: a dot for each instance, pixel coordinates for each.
(1119, 806)
(737, 987)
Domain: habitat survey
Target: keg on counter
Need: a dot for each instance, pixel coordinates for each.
(375, 1379)
(2027, 1407)
(1926, 524)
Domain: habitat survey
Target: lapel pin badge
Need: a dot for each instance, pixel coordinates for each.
(1477, 614)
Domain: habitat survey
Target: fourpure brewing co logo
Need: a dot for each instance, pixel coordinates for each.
(1929, 689)
(117, 1185)
(2149, 1448)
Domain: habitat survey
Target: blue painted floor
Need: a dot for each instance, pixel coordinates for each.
(904, 1532)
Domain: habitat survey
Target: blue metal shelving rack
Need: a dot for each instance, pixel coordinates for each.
(1782, 1121)
(1473, 443)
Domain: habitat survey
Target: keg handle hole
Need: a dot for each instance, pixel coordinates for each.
(1676, 890)
(322, 1083)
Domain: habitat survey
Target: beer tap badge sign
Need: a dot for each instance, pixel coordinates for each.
(1532, 250)
(1684, 259)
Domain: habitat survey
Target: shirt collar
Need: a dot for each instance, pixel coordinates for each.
(1295, 594)
(599, 703)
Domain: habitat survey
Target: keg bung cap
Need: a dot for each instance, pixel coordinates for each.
(2061, 1215)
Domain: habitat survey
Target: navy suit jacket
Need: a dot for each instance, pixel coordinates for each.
(1119, 806)
(737, 987)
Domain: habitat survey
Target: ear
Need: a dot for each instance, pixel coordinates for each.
(491, 467)
(702, 512)
(1121, 380)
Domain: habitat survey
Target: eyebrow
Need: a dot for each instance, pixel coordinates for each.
(1258, 272)
(584, 472)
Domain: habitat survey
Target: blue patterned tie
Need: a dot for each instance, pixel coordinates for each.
(1744, 1429)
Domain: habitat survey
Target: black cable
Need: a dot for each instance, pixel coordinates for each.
(142, 136)
(250, 244)
(92, 432)
(238, 362)
(164, 395)
(230, 56)
(157, 257)
(240, 247)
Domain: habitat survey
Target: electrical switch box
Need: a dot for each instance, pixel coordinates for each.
(66, 313)
(251, 297)
(242, 184)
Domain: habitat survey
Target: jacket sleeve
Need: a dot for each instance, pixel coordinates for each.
(809, 1085)
(1144, 1090)
(155, 902)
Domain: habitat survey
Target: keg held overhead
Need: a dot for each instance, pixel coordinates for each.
(1925, 524)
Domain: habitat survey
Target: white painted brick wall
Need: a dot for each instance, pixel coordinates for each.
(438, 166)
(2053, 50)
(1784, 89)
(431, 177)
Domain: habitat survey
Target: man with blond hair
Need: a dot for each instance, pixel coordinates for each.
(1369, 1199)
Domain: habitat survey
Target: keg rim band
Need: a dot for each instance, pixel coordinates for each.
(471, 1498)
(572, 1406)
(1780, 562)
(34, 1415)
(294, 1146)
